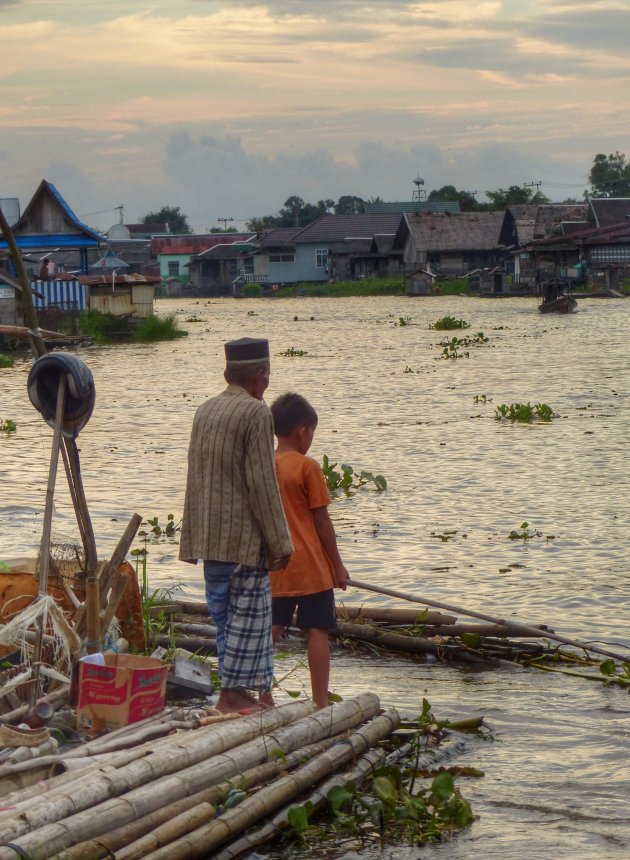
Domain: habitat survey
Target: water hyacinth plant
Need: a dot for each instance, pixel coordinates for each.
(347, 479)
(448, 323)
(524, 413)
(6, 360)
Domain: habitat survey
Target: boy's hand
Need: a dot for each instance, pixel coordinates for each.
(278, 563)
(342, 576)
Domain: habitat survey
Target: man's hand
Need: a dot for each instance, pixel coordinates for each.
(278, 563)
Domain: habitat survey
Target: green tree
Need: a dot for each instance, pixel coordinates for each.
(171, 215)
(449, 193)
(610, 176)
(350, 205)
(504, 197)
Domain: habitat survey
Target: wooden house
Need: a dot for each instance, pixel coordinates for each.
(345, 247)
(451, 244)
(48, 226)
(176, 253)
(122, 295)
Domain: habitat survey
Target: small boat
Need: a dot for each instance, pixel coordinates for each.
(557, 298)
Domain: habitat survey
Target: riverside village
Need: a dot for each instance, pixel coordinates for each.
(480, 670)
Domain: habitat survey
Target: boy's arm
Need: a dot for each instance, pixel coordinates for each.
(326, 533)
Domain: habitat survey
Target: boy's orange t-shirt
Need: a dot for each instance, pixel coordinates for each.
(303, 488)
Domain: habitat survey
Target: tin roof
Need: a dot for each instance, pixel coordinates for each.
(461, 231)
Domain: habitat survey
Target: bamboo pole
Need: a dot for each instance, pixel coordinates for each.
(34, 334)
(252, 839)
(526, 629)
(406, 644)
(44, 547)
(22, 332)
(204, 840)
(48, 826)
(183, 752)
(392, 615)
(130, 836)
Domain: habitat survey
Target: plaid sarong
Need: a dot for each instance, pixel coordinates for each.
(239, 603)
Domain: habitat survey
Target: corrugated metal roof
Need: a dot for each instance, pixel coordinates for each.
(51, 241)
(412, 206)
(610, 210)
(335, 228)
(462, 231)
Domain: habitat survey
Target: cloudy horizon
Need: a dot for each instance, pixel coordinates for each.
(226, 109)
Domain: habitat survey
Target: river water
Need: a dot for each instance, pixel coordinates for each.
(557, 777)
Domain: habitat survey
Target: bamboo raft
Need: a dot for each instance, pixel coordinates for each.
(183, 785)
(407, 632)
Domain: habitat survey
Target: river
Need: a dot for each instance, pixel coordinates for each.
(557, 778)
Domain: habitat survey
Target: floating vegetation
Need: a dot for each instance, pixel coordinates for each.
(408, 369)
(525, 413)
(448, 323)
(390, 809)
(525, 533)
(347, 479)
(194, 318)
(155, 328)
(451, 347)
(6, 360)
(402, 321)
(482, 398)
(292, 352)
(445, 535)
(8, 426)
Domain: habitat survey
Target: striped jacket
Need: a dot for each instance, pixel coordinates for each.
(232, 508)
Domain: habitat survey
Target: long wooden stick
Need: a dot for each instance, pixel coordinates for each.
(513, 625)
(44, 549)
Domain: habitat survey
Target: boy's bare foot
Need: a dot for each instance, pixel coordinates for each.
(266, 699)
(235, 699)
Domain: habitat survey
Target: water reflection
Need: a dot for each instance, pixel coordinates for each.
(459, 483)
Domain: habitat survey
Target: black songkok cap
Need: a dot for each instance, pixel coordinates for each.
(247, 350)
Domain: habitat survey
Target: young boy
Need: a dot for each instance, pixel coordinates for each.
(315, 568)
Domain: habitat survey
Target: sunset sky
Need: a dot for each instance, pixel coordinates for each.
(225, 109)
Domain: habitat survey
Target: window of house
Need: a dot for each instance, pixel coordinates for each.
(173, 268)
(321, 258)
(281, 258)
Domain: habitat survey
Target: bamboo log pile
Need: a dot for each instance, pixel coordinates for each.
(159, 788)
(412, 632)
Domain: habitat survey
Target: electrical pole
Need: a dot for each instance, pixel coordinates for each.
(225, 221)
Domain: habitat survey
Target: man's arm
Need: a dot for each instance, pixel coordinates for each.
(263, 490)
(328, 538)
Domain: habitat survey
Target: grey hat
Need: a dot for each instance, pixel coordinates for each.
(246, 350)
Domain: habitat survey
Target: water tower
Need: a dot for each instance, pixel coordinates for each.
(419, 195)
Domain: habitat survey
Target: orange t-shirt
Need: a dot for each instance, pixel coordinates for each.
(303, 488)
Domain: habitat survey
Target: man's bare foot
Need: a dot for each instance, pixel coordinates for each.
(266, 699)
(235, 699)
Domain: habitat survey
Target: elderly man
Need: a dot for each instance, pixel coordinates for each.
(234, 521)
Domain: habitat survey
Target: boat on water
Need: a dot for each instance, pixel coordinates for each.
(557, 298)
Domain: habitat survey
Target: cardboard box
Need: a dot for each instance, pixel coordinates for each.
(123, 689)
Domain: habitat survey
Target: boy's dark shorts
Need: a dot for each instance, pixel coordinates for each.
(313, 610)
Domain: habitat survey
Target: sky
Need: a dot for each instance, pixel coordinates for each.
(226, 109)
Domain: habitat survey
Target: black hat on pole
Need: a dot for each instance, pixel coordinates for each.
(246, 350)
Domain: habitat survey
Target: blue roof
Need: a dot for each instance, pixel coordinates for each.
(50, 241)
(85, 237)
(66, 208)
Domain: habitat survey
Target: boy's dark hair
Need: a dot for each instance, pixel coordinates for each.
(291, 411)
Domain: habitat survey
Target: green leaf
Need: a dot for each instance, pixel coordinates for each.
(442, 786)
(608, 667)
(337, 796)
(385, 790)
(298, 818)
(472, 640)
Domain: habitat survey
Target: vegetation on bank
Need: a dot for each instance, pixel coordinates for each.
(393, 286)
(108, 328)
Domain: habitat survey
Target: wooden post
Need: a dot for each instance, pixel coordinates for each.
(44, 549)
